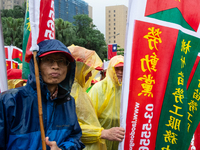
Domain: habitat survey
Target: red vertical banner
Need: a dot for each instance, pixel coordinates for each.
(161, 48)
(148, 83)
(41, 14)
(46, 24)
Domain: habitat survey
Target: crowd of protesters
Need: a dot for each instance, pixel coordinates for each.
(76, 114)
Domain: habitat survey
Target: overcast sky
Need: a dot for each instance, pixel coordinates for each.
(99, 11)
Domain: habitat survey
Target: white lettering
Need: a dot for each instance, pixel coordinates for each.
(134, 123)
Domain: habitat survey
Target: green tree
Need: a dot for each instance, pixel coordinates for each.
(13, 31)
(82, 32)
(120, 51)
(64, 31)
(88, 36)
(17, 12)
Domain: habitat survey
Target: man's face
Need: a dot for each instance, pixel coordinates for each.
(119, 73)
(53, 68)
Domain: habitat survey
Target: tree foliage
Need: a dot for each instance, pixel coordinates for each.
(88, 36)
(12, 25)
(64, 31)
(17, 12)
(13, 31)
(81, 32)
(120, 51)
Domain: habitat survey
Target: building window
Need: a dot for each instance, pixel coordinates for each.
(114, 24)
(114, 32)
(109, 32)
(114, 28)
(109, 19)
(114, 19)
(109, 11)
(109, 28)
(114, 15)
(114, 10)
(114, 37)
(114, 41)
(109, 24)
(109, 15)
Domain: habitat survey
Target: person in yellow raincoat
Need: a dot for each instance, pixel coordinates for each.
(87, 61)
(87, 65)
(105, 96)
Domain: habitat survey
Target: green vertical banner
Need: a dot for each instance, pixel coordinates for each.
(27, 30)
(180, 111)
(160, 101)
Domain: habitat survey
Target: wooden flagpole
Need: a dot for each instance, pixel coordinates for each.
(39, 101)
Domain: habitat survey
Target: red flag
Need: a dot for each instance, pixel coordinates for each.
(14, 64)
(112, 50)
(6, 51)
(8, 64)
(195, 140)
(42, 24)
(16, 53)
(187, 8)
(11, 64)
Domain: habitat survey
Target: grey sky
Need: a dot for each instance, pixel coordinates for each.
(99, 11)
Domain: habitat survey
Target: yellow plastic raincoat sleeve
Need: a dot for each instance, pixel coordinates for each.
(91, 128)
(105, 96)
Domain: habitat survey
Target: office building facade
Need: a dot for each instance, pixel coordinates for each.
(9, 4)
(66, 9)
(116, 18)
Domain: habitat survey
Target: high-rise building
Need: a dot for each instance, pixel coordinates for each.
(66, 9)
(9, 4)
(90, 11)
(116, 18)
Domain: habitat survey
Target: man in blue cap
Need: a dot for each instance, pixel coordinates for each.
(19, 119)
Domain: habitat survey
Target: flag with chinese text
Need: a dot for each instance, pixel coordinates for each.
(39, 25)
(112, 50)
(161, 84)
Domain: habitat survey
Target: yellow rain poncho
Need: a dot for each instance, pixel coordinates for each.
(86, 61)
(14, 83)
(105, 96)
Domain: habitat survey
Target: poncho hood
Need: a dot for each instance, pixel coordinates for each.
(47, 46)
(86, 61)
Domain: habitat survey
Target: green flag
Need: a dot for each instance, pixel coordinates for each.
(27, 29)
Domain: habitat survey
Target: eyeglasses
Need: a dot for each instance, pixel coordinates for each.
(50, 61)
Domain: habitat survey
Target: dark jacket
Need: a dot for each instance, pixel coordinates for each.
(19, 119)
